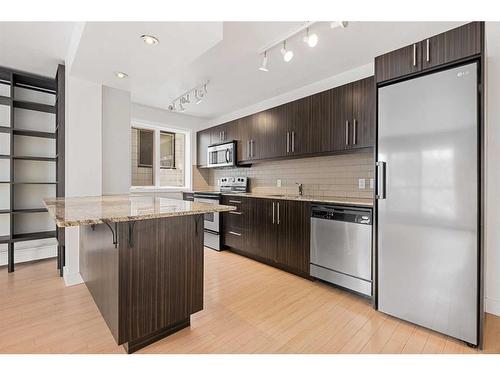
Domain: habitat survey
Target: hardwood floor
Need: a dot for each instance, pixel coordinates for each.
(249, 308)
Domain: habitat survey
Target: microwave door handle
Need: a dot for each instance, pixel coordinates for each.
(228, 153)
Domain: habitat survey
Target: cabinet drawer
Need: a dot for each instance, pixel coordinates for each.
(235, 219)
(240, 203)
(235, 238)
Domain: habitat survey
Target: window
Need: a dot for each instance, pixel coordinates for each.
(167, 150)
(145, 148)
(160, 157)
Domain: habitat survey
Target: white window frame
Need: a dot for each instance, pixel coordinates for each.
(156, 128)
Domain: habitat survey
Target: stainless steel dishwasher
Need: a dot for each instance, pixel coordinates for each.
(341, 252)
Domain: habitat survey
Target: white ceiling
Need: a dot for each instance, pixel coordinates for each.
(35, 47)
(192, 52)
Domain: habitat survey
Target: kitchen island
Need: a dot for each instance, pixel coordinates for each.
(141, 258)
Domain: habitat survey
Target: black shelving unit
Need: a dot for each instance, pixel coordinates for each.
(55, 86)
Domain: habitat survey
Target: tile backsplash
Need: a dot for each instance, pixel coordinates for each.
(324, 176)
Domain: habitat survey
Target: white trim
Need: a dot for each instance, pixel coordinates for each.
(72, 278)
(30, 254)
(157, 127)
(492, 306)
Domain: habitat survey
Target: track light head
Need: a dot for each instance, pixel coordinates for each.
(341, 24)
(263, 67)
(287, 54)
(198, 98)
(311, 39)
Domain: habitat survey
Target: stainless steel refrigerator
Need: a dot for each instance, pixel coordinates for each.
(427, 201)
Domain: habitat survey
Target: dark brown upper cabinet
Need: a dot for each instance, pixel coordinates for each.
(297, 127)
(398, 63)
(203, 140)
(362, 129)
(335, 120)
(454, 45)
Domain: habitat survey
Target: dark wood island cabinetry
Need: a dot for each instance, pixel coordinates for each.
(141, 258)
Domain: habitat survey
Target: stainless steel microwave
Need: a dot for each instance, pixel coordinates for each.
(222, 155)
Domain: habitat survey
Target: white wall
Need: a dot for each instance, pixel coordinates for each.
(492, 203)
(116, 161)
(161, 117)
(83, 167)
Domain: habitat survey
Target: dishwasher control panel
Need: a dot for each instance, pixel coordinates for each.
(347, 214)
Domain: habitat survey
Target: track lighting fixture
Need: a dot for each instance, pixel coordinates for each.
(311, 39)
(287, 54)
(121, 75)
(198, 93)
(341, 24)
(263, 67)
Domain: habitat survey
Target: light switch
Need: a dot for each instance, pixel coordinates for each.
(278, 183)
(361, 183)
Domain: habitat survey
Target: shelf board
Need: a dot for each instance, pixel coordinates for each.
(34, 158)
(5, 182)
(33, 106)
(34, 133)
(32, 183)
(5, 129)
(5, 156)
(33, 236)
(5, 100)
(28, 210)
(5, 211)
(4, 239)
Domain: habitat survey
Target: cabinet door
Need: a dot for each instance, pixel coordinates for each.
(262, 232)
(298, 119)
(258, 135)
(242, 145)
(322, 121)
(202, 143)
(293, 248)
(456, 44)
(217, 134)
(342, 103)
(362, 129)
(275, 141)
(398, 63)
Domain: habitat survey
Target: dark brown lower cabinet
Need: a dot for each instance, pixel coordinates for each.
(275, 232)
(147, 286)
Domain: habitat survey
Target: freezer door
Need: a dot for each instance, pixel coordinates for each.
(427, 223)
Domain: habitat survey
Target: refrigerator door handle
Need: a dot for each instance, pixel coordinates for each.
(381, 169)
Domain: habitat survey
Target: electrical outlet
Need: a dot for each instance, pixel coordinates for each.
(372, 183)
(361, 183)
(278, 183)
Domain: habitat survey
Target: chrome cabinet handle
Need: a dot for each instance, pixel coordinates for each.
(415, 54)
(234, 233)
(273, 212)
(278, 216)
(354, 131)
(251, 148)
(381, 175)
(347, 132)
(427, 47)
(293, 141)
(248, 149)
(235, 212)
(287, 142)
(231, 201)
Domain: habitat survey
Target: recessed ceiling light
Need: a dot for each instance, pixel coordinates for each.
(150, 40)
(121, 75)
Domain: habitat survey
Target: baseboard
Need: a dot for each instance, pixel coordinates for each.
(29, 254)
(72, 279)
(492, 306)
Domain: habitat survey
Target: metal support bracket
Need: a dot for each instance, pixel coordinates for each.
(114, 232)
(131, 233)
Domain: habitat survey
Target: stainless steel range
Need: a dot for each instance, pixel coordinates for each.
(212, 222)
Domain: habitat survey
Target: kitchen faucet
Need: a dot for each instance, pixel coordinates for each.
(301, 190)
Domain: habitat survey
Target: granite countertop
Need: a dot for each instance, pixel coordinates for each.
(364, 202)
(77, 211)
